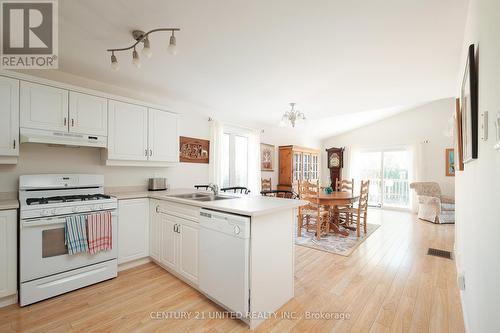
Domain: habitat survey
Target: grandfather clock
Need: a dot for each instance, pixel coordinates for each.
(335, 163)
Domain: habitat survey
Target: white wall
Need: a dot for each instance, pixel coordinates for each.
(426, 123)
(477, 187)
(40, 158)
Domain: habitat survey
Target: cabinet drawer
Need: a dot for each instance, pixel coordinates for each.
(181, 210)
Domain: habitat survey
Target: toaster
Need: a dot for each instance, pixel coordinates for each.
(157, 184)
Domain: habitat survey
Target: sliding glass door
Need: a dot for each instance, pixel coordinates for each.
(388, 172)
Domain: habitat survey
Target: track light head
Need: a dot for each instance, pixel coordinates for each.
(114, 62)
(135, 59)
(172, 45)
(147, 48)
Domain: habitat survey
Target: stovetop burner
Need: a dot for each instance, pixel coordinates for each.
(66, 198)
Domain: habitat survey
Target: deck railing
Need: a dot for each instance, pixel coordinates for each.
(396, 192)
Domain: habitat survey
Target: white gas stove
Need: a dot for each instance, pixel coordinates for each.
(46, 269)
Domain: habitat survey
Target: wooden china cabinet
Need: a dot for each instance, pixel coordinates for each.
(297, 163)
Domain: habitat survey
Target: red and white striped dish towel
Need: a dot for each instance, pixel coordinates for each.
(99, 232)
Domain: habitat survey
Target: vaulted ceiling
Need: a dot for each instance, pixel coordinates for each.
(246, 60)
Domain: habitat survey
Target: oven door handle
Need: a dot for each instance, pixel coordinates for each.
(42, 222)
(49, 221)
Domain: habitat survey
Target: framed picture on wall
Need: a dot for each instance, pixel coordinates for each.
(459, 163)
(469, 108)
(192, 150)
(450, 162)
(266, 157)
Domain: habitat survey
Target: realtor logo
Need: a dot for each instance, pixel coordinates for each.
(29, 34)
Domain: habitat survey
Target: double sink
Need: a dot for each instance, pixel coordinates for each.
(202, 196)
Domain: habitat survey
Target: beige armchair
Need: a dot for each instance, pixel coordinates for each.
(432, 206)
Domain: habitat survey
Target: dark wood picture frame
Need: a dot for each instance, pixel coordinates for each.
(192, 150)
(459, 147)
(469, 108)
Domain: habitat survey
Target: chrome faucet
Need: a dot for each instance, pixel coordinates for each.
(214, 188)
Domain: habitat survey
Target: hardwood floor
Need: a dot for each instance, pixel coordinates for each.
(388, 284)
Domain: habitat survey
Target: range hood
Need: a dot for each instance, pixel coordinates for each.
(29, 135)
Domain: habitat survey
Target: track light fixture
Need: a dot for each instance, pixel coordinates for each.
(143, 37)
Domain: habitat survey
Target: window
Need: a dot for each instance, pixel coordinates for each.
(389, 174)
(235, 160)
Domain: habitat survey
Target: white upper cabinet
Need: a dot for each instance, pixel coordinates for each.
(9, 117)
(127, 132)
(43, 107)
(88, 114)
(163, 136)
(141, 136)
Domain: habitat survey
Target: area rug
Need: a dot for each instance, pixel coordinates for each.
(334, 243)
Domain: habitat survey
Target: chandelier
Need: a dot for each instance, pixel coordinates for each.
(290, 118)
(142, 37)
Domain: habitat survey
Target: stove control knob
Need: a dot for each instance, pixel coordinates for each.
(101, 206)
(45, 212)
(237, 230)
(76, 209)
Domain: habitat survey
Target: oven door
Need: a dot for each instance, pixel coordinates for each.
(43, 252)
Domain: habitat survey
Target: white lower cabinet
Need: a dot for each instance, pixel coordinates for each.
(133, 229)
(168, 241)
(188, 250)
(174, 240)
(8, 252)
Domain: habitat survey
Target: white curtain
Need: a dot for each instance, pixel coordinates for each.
(215, 164)
(254, 174)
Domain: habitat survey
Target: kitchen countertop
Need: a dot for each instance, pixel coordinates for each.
(8, 200)
(248, 205)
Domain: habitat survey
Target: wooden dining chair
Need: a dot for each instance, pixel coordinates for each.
(265, 184)
(236, 189)
(349, 214)
(345, 185)
(313, 211)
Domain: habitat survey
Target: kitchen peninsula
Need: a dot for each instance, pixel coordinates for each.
(237, 250)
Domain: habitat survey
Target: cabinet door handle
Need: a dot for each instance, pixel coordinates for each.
(157, 208)
(145, 152)
(175, 227)
(72, 122)
(65, 121)
(14, 145)
(151, 152)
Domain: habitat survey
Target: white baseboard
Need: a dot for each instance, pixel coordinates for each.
(8, 300)
(132, 264)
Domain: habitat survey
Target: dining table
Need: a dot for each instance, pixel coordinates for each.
(334, 200)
